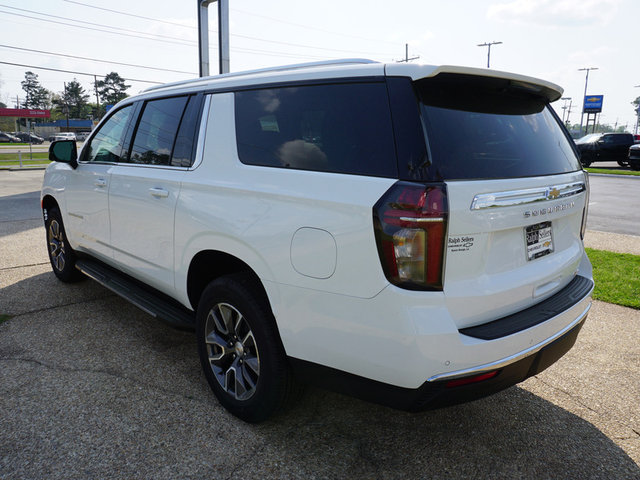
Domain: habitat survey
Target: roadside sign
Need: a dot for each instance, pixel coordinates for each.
(24, 113)
(593, 103)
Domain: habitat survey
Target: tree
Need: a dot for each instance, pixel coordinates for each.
(37, 95)
(112, 89)
(74, 99)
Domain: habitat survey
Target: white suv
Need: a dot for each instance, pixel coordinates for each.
(407, 234)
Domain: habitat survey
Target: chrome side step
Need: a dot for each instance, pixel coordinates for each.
(155, 304)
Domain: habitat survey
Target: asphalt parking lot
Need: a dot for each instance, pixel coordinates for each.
(91, 387)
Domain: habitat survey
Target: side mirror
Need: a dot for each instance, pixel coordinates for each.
(64, 151)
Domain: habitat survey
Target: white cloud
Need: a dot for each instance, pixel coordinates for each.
(555, 13)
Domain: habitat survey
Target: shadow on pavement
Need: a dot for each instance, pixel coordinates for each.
(91, 387)
(20, 207)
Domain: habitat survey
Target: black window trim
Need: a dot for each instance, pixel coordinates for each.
(132, 127)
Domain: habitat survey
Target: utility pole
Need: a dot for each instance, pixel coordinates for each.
(489, 50)
(95, 86)
(66, 104)
(637, 115)
(564, 109)
(586, 82)
(406, 55)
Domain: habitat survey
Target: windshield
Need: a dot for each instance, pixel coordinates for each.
(479, 128)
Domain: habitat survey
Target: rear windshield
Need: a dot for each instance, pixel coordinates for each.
(483, 128)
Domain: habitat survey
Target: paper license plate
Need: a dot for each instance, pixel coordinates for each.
(539, 240)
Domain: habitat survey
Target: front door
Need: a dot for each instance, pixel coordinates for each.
(87, 190)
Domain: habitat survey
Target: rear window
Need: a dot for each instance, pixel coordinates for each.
(485, 128)
(340, 128)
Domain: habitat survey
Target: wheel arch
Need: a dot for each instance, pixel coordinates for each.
(49, 202)
(208, 265)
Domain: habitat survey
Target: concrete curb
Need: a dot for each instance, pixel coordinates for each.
(612, 242)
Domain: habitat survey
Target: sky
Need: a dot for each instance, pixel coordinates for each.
(548, 39)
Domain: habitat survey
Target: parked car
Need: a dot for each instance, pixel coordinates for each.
(65, 136)
(633, 157)
(82, 136)
(29, 137)
(8, 138)
(295, 218)
(605, 147)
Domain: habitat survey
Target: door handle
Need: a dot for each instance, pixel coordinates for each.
(159, 192)
(100, 182)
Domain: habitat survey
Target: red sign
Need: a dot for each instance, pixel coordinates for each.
(24, 113)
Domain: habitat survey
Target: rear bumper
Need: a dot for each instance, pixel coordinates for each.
(438, 391)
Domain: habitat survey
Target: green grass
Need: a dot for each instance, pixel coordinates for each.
(617, 277)
(24, 163)
(613, 171)
(4, 318)
(25, 156)
(14, 144)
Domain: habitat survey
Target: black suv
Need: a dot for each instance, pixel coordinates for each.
(605, 147)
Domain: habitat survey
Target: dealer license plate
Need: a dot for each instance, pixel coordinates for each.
(539, 240)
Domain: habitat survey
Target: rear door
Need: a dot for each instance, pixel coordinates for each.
(145, 189)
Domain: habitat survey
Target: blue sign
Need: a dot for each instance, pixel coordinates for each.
(593, 103)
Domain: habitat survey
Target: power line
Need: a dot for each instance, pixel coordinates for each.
(76, 73)
(180, 41)
(130, 14)
(308, 27)
(92, 23)
(183, 43)
(95, 59)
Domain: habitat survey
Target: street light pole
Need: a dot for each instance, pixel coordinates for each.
(488, 50)
(586, 82)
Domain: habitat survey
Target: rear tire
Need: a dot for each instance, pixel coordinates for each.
(635, 165)
(61, 255)
(240, 349)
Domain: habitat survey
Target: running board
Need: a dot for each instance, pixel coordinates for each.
(155, 304)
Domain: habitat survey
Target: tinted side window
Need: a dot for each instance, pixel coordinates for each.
(106, 145)
(341, 128)
(183, 151)
(156, 132)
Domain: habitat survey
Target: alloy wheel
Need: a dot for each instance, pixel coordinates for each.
(232, 351)
(56, 245)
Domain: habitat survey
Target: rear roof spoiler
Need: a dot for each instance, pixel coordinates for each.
(550, 91)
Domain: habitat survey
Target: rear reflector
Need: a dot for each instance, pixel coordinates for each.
(474, 379)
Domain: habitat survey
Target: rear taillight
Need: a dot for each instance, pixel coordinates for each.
(411, 226)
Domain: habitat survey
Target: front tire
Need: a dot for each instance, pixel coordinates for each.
(61, 255)
(240, 349)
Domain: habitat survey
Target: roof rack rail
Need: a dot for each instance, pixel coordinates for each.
(345, 61)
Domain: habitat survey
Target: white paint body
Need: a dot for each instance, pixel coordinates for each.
(309, 237)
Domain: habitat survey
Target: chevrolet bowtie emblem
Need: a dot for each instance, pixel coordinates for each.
(553, 194)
